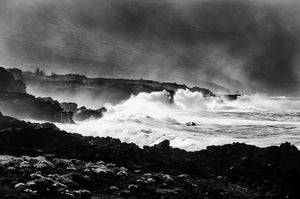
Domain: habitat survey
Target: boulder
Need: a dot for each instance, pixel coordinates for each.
(69, 106)
(84, 114)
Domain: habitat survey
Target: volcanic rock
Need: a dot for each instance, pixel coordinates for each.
(38, 161)
(9, 84)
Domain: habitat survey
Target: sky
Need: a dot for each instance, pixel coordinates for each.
(247, 45)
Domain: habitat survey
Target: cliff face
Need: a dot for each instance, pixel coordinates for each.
(25, 106)
(15, 102)
(9, 84)
(106, 90)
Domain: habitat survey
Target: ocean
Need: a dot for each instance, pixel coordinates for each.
(193, 122)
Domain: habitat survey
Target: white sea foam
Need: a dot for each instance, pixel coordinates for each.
(149, 118)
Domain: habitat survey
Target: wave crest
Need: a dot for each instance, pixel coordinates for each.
(148, 118)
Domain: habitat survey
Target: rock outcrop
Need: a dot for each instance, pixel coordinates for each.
(9, 84)
(69, 106)
(25, 106)
(82, 113)
(39, 160)
(15, 102)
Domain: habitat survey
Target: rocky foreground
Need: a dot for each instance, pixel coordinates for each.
(41, 161)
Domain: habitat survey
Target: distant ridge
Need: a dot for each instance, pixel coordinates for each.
(108, 90)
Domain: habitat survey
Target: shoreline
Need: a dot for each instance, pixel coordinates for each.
(68, 165)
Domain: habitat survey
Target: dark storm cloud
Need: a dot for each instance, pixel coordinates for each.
(239, 44)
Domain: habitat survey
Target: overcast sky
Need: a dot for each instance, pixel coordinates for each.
(248, 45)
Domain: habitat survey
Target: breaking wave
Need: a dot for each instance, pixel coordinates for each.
(193, 121)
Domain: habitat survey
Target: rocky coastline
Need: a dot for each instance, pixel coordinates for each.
(109, 90)
(16, 102)
(39, 160)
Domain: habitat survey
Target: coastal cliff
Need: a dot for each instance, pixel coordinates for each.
(107, 90)
(15, 102)
(9, 84)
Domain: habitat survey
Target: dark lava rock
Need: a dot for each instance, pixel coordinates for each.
(9, 84)
(83, 114)
(191, 124)
(163, 146)
(15, 102)
(69, 106)
(65, 165)
(25, 106)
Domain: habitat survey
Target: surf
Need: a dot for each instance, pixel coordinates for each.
(148, 118)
